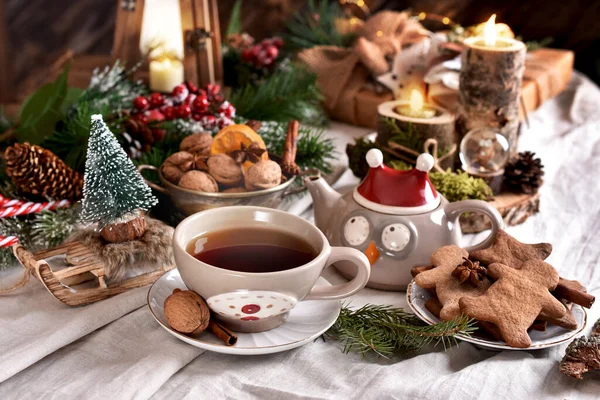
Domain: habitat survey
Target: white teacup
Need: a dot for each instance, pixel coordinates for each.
(259, 301)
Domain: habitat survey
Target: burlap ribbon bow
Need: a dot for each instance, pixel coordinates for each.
(342, 72)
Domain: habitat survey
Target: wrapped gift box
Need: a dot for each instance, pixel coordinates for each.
(547, 73)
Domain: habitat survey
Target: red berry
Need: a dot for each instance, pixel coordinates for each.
(197, 116)
(140, 103)
(247, 55)
(189, 100)
(213, 89)
(169, 112)
(209, 120)
(155, 116)
(156, 100)
(272, 52)
(277, 42)
(191, 87)
(159, 134)
(183, 111)
(141, 117)
(180, 92)
(200, 104)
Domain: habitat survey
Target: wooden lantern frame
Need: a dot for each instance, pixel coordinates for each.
(203, 62)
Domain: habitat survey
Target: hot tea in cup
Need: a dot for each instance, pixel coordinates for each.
(252, 250)
(252, 265)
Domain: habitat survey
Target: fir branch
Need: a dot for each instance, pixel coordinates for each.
(387, 331)
(51, 228)
(69, 141)
(314, 149)
(111, 89)
(316, 27)
(290, 93)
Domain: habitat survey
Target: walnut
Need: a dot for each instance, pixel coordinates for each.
(198, 180)
(176, 165)
(197, 143)
(237, 189)
(263, 175)
(187, 312)
(225, 170)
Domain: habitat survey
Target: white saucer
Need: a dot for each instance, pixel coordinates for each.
(552, 336)
(306, 322)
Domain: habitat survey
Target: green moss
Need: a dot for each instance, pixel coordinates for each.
(457, 186)
(454, 186)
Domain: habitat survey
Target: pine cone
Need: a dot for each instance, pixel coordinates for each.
(38, 171)
(524, 173)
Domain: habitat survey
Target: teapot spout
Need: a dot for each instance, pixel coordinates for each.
(324, 199)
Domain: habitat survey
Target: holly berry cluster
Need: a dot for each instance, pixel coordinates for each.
(187, 102)
(263, 54)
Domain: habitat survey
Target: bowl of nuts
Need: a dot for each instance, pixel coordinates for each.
(230, 169)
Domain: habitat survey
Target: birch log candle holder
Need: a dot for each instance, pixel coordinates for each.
(411, 125)
(490, 84)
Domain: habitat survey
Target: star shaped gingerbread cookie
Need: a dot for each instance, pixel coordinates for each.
(509, 251)
(448, 288)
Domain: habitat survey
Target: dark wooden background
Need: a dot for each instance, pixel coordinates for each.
(38, 30)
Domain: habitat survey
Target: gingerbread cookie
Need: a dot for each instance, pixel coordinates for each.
(567, 321)
(509, 251)
(448, 288)
(516, 299)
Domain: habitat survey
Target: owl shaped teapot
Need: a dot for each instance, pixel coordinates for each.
(396, 218)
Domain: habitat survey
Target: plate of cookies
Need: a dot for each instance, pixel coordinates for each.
(518, 300)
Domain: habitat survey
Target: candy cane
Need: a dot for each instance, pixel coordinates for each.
(7, 241)
(29, 208)
(4, 202)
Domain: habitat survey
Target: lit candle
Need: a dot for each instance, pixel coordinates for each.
(490, 83)
(416, 107)
(491, 39)
(165, 74)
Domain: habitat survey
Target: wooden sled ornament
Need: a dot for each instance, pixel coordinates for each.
(83, 267)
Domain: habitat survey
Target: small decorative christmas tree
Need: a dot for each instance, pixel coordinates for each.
(114, 193)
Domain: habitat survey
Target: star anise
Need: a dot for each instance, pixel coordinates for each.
(251, 153)
(470, 271)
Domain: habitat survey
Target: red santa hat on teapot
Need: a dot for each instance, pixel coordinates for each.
(390, 191)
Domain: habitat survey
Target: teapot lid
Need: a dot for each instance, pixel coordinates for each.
(390, 191)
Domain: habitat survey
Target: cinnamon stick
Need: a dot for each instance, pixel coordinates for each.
(539, 326)
(288, 163)
(434, 306)
(255, 125)
(418, 269)
(224, 334)
(574, 292)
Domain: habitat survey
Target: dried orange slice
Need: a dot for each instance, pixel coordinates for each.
(231, 138)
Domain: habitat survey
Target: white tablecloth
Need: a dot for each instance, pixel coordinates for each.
(114, 349)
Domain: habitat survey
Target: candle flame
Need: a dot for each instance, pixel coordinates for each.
(489, 31)
(416, 101)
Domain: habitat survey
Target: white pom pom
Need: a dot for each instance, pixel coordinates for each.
(374, 158)
(425, 162)
(97, 117)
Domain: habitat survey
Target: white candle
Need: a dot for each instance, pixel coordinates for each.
(165, 74)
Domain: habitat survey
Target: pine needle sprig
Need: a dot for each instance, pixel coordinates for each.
(290, 93)
(314, 149)
(51, 228)
(387, 331)
(111, 88)
(316, 27)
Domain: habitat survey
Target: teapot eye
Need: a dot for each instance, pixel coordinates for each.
(395, 237)
(356, 230)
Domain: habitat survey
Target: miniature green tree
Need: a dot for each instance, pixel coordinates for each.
(113, 189)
